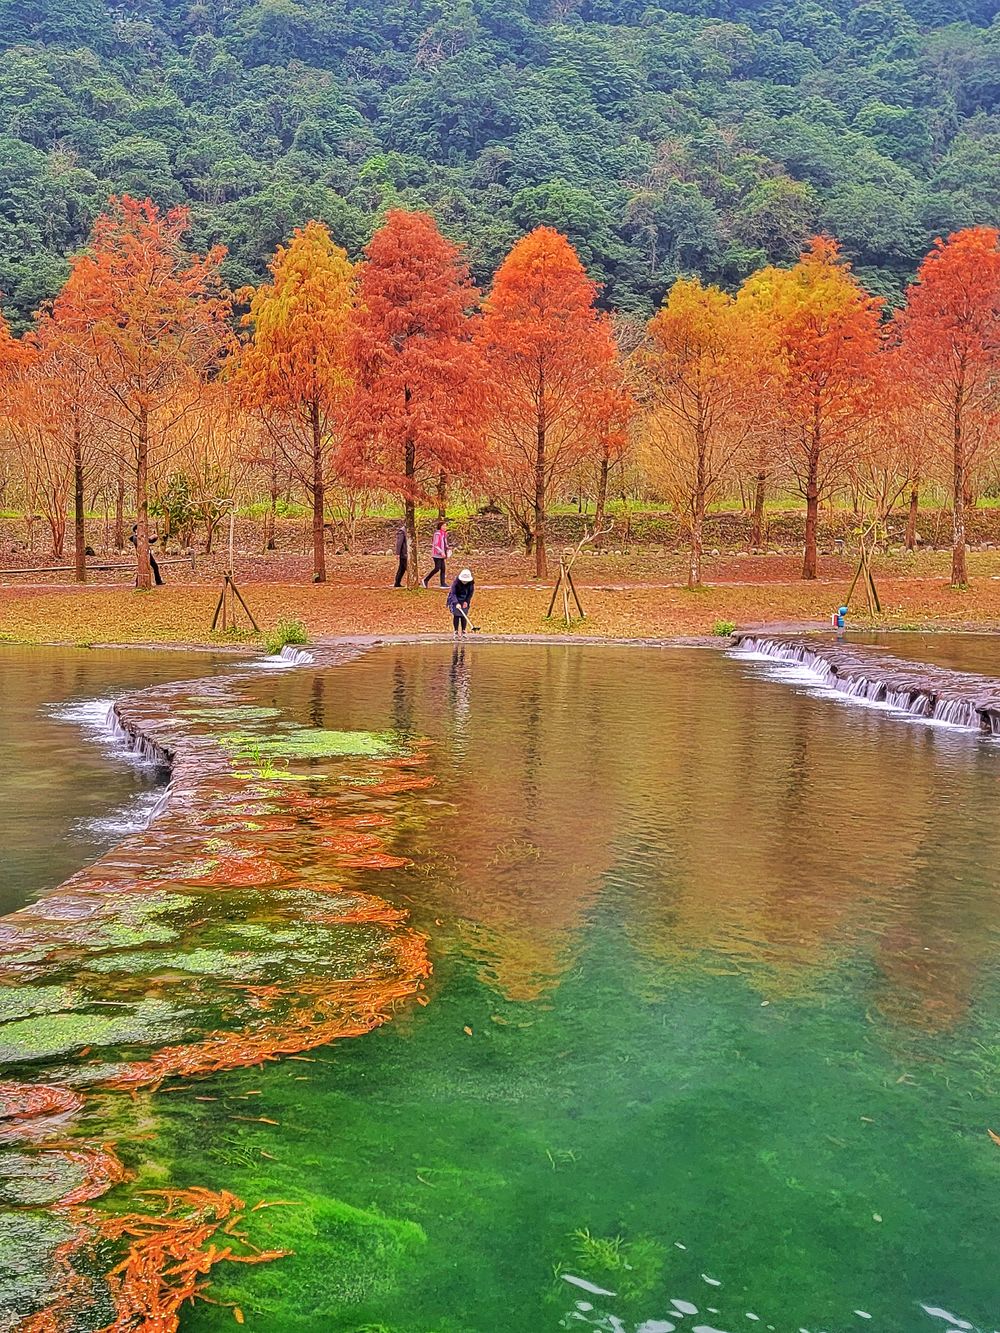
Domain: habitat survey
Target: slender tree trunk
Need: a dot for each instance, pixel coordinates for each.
(757, 518)
(271, 517)
(442, 495)
(120, 511)
(809, 559)
(144, 574)
(697, 513)
(911, 517)
(602, 495)
(410, 512)
(959, 568)
(57, 526)
(79, 532)
(318, 490)
(541, 562)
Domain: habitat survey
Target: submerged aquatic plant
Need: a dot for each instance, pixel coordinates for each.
(171, 1251)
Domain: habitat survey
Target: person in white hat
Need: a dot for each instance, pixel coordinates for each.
(460, 599)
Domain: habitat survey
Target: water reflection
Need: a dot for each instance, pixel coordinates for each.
(711, 812)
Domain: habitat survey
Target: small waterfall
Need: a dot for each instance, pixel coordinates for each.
(132, 739)
(296, 656)
(288, 657)
(933, 694)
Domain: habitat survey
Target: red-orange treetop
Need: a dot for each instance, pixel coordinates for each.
(949, 332)
(552, 379)
(149, 312)
(416, 410)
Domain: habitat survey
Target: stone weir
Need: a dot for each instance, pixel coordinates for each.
(935, 694)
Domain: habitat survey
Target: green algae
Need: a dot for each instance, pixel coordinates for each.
(35, 1179)
(317, 743)
(46, 1035)
(126, 934)
(342, 1255)
(24, 1001)
(28, 1241)
(197, 962)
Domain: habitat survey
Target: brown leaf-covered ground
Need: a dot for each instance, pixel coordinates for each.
(625, 597)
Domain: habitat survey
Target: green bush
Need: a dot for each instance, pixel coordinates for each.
(286, 631)
(723, 628)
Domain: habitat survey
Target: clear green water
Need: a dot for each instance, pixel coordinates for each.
(64, 801)
(728, 960)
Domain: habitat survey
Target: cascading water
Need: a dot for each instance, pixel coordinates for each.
(934, 694)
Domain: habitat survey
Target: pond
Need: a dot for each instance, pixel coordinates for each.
(710, 1039)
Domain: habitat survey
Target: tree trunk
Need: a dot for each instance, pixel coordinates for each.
(442, 495)
(318, 492)
(809, 558)
(541, 562)
(144, 574)
(959, 568)
(757, 519)
(120, 512)
(602, 495)
(57, 526)
(697, 513)
(410, 514)
(79, 532)
(911, 517)
(271, 517)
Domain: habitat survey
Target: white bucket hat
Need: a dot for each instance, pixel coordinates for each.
(466, 576)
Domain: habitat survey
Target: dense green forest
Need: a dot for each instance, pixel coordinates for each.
(705, 136)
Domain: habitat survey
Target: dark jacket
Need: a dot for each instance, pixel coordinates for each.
(401, 541)
(460, 595)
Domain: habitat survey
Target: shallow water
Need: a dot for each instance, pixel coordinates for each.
(711, 1039)
(958, 652)
(66, 798)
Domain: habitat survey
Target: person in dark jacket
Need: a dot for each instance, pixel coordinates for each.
(460, 599)
(153, 566)
(402, 554)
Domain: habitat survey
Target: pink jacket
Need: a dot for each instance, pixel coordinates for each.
(439, 546)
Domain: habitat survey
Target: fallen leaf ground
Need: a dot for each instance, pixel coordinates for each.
(625, 597)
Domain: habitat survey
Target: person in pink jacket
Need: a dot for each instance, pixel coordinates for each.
(440, 550)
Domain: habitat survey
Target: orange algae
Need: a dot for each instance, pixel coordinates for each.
(320, 1012)
(170, 1253)
(350, 842)
(238, 872)
(373, 861)
(24, 1101)
(395, 786)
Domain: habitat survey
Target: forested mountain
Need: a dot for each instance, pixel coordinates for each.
(702, 136)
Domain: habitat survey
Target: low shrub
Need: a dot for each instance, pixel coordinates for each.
(286, 631)
(723, 628)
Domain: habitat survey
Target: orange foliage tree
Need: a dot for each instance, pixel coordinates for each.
(552, 375)
(823, 329)
(60, 429)
(294, 370)
(699, 372)
(949, 332)
(151, 318)
(417, 410)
